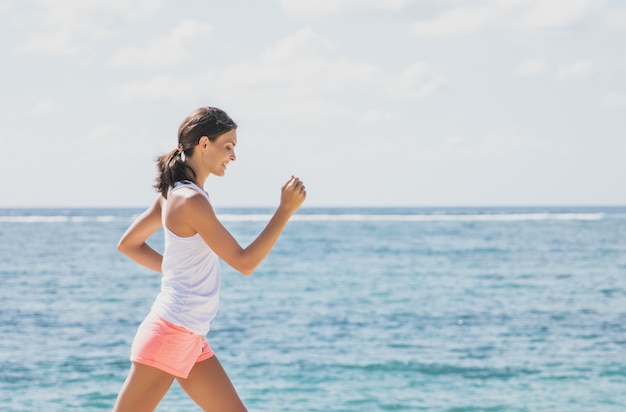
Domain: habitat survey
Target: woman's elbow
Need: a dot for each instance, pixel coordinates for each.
(242, 264)
(244, 268)
(246, 271)
(123, 247)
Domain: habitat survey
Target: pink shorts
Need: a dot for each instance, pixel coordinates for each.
(168, 347)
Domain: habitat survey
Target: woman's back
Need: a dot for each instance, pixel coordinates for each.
(191, 274)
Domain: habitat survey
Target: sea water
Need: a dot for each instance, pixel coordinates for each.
(403, 309)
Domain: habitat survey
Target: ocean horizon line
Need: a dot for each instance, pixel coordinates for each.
(340, 207)
(339, 214)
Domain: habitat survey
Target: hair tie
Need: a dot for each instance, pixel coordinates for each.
(181, 152)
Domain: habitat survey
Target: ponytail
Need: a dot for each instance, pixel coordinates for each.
(171, 168)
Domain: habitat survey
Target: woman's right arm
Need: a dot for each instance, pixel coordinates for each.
(133, 242)
(245, 260)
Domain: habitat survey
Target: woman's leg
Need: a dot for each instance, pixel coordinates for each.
(210, 387)
(143, 389)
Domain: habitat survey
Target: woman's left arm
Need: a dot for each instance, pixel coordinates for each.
(133, 242)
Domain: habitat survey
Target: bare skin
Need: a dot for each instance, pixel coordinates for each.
(189, 212)
(207, 385)
(143, 389)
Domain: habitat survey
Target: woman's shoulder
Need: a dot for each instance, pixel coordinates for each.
(185, 209)
(188, 198)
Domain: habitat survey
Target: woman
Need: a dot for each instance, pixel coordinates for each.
(170, 343)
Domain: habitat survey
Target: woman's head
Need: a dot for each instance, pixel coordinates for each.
(205, 121)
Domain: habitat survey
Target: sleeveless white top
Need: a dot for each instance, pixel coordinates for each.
(190, 286)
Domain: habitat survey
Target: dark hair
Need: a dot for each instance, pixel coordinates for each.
(205, 121)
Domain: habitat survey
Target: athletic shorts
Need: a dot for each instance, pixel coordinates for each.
(168, 347)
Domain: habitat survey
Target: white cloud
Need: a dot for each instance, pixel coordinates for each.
(47, 106)
(532, 67)
(110, 141)
(162, 87)
(260, 92)
(511, 15)
(614, 99)
(417, 80)
(165, 51)
(493, 145)
(542, 14)
(71, 12)
(323, 7)
(15, 141)
(576, 71)
(298, 45)
(304, 111)
(300, 65)
(614, 19)
(579, 70)
(460, 20)
(4, 7)
(375, 116)
(300, 74)
(61, 42)
(69, 24)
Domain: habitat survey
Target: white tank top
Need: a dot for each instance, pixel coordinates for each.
(190, 286)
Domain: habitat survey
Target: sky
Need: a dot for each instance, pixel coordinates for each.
(371, 103)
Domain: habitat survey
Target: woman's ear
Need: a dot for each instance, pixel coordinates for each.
(203, 142)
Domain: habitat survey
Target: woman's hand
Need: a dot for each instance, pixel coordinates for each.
(292, 195)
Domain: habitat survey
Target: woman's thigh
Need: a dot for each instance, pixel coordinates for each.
(210, 387)
(143, 389)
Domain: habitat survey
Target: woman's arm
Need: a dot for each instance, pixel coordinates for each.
(202, 218)
(133, 241)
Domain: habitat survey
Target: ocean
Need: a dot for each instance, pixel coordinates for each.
(355, 309)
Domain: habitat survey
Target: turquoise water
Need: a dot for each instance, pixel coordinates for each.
(509, 309)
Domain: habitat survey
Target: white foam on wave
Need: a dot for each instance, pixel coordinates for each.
(348, 217)
(56, 219)
(494, 217)
(33, 219)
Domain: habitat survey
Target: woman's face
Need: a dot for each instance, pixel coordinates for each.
(220, 152)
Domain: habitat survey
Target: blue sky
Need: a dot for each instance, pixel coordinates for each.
(372, 103)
